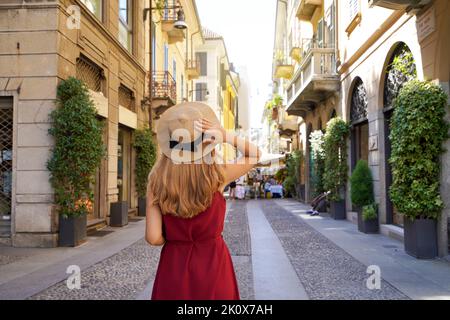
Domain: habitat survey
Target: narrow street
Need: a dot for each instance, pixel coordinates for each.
(279, 252)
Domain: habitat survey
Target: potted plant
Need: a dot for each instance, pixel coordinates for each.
(335, 172)
(75, 157)
(145, 159)
(361, 189)
(418, 130)
(369, 219)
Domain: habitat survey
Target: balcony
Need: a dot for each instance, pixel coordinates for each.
(168, 18)
(306, 9)
(193, 69)
(164, 92)
(399, 4)
(315, 80)
(283, 69)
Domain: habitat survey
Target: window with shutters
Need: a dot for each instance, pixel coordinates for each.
(353, 9)
(200, 91)
(354, 15)
(202, 58)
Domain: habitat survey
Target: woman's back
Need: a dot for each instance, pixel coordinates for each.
(207, 225)
(195, 262)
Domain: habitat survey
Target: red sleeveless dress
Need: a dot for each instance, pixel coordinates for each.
(195, 263)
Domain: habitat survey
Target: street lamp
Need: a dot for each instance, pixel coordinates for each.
(180, 24)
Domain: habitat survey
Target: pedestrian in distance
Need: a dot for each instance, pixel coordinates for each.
(186, 206)
(232, 194)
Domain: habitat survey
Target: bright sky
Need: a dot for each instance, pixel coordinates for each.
(248, 29)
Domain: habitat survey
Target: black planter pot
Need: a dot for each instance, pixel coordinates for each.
(72, 231)
(367, 226)
(119, 214)
(142, 205)
(337, 210)
(421, 238)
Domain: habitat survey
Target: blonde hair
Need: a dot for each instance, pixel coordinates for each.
(184, 190)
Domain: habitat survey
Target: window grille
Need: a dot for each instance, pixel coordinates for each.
(90, 73)
(126, 98)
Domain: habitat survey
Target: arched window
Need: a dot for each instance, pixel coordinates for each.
(360, 125)
(401, 68)
(358, 106)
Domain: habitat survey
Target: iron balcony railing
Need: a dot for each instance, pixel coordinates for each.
(164, 86)
(169, 11)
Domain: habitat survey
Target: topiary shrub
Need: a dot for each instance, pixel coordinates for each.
(335, 150)
(418, 130)
(361, 185)
(78, 148)
(145, 158)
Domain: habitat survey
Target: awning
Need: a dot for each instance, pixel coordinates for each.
(271, 159)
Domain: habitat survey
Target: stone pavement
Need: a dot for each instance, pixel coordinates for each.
(417, 279)
(279, 252)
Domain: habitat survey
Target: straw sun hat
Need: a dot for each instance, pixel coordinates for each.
(177, 138)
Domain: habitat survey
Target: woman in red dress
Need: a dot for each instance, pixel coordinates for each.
(186, 208)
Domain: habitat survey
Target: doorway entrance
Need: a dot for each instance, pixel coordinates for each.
(98, 214)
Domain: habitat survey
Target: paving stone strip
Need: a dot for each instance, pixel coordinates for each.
(124, 275)
(237, 236)
(120, 277)
(326, 271)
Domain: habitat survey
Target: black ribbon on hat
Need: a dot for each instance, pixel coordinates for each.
(187, 146)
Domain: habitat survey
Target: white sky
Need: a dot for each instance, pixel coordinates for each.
(248, 29)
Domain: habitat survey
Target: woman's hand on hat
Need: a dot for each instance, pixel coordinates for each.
(214, 132)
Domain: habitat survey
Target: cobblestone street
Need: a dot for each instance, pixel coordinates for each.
(308, 264)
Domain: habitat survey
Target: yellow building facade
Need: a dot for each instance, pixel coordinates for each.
(230, 105)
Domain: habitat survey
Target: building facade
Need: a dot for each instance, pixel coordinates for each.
(218, 84)
(43, 43)
(135, 68)
(365, 57)
(334, 58)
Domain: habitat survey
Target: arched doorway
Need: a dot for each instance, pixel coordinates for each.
(359, 124)
(395, 77)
